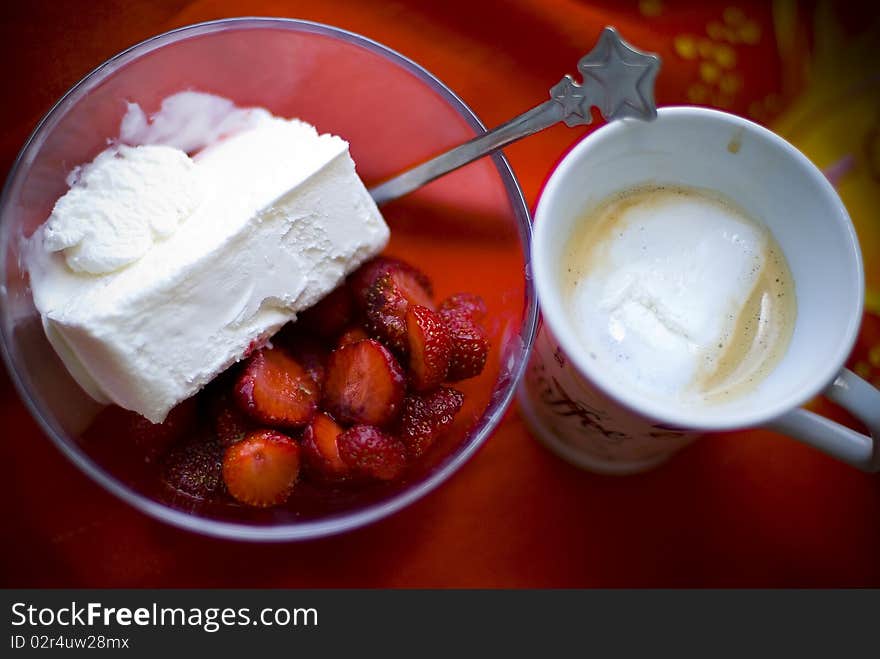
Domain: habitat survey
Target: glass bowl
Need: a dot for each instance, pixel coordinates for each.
(469, 231)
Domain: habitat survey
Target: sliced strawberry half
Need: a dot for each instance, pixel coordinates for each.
(426, 416)
(362, 279)
(429, 347)
(230, 423)
(261, 469)
(373, 453)
(311, 355)
(331, 314)
(364, 384)
(320, 451)
(352, 335)
(470, 345)
(472, 306)
(387, 301)
(154, 439)
(274, 389)
(193, 468)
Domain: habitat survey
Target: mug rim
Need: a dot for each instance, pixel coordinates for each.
(659, 411)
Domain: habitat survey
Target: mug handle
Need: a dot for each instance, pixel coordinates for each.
(860, 399)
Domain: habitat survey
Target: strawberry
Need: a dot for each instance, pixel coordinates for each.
(274, 389)
(429, 347)
(352, 335)
(371, 452)
(311, 355)
(153, 439)
(470, 345)
(364, 384)
(319, 449)
(193, 468)
(230, 423)
(426, 416)
(468, 304)
(261, 469)
(387, 301)
(331, 314)
(362, 279)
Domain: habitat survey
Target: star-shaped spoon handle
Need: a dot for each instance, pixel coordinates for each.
(618, 80)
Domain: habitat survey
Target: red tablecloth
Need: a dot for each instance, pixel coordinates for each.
(745, 509)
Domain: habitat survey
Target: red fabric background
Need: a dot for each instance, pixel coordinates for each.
(745, 509)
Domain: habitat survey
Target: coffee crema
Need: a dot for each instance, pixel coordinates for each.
(679, 293)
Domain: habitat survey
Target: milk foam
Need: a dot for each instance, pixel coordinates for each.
(658, 280)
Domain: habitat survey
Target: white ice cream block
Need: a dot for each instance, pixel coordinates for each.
(161, 307)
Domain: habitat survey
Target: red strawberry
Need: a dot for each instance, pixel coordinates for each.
(331, 314)
(153, 439)
(364, 384)
(371, 452)
(468, 304)
(429, 347)
(426, 416)
(273, 388)
(352, 335)
(319, 449)
(193, 468)
(387, 301)
(262, 469)
(470, 345)
(230, 423)
(311, 355)
(362, 279)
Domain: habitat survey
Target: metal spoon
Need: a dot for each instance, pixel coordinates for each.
(618, 80)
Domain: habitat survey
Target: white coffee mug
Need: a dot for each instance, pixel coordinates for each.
(598, 423)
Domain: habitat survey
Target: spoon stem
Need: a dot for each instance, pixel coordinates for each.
(621, 85)
(538, 118)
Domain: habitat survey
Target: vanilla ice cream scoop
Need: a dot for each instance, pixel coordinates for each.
(120, 204)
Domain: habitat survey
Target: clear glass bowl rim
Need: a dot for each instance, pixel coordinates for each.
(294, 530)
